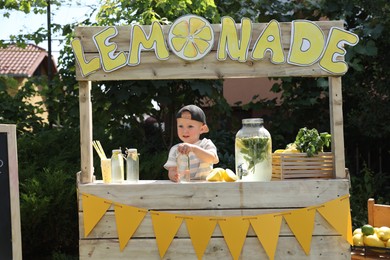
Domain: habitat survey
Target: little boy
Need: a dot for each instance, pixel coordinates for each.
(191, 123)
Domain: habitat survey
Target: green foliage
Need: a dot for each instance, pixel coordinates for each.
(367, 184)
(224, 141)
(48, 208)
(48, 162)
(14, 109)
(145, 12)
(309, 141)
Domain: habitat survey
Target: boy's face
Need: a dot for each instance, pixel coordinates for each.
(189, 130)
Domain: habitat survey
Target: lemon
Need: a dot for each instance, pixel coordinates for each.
(291, 146)
(215, 175)
(373, 240)
(191, 37)
(388, 243)
(229, 176)
(358, 239)
(239, 143)
(384, 233)
(357, 231)
(368, 230)
(291, 151)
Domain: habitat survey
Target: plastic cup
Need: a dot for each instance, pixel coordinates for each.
(184, 176)
(106, 170)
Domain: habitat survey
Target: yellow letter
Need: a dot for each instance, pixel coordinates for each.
(269, 40)
(307, 43)
(154, 41)
(334, 48)
(110, 60)
(86, 67)
(228, 40)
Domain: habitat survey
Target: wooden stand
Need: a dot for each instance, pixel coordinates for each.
(213, 199)
(220, 199)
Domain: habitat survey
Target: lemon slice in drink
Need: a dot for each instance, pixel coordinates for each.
(191, 37)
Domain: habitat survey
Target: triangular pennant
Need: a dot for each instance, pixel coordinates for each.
(165, 227)
(94, 209)
(234, 230)
(200, 230)
(337, 213)
(301, 223)
(127, 221)
(267, 228)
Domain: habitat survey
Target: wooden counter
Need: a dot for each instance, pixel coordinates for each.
(213, 199)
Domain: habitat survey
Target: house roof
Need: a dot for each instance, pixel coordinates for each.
(23, 62)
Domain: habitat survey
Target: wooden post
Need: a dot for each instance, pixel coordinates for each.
(336, 126)
(9, 196)
(86, 131)
(370, 210)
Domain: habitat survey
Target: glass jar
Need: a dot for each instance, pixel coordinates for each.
(183, 167)
(132, 165)
(117, 170)
(253, 151)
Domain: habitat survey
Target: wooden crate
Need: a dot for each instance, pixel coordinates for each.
(213, 199)
(298, 165)
(368, 253)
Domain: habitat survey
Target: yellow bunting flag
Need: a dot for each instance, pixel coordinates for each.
(94, 209)
(200, 230)
(127, 221)
(234, 230)
(337, 213)
(301, 223)
(165, 227)
(267, 228)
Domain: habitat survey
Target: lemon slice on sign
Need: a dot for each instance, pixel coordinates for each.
(191, 37)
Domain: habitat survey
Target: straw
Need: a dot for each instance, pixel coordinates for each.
(99, 149)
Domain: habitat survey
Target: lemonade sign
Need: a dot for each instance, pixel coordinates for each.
(192, 37)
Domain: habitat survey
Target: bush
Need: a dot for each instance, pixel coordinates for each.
(48, 208)
(48, 162)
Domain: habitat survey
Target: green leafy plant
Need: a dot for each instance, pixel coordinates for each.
(309, 141)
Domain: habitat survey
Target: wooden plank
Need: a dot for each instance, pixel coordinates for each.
(13, 212)
(106, 228)
(322, 247)
(207, 68)
(337, 125)
(122, 40)
(378, 214)
(219, 195)
(86, 132)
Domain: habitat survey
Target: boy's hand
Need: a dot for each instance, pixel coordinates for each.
(173, 174)
(184, 148)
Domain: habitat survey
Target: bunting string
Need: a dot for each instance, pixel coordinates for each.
(234, 228)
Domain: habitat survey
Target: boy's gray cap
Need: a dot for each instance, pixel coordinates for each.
(196, 112)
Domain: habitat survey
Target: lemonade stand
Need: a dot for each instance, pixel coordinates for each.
(280, 219)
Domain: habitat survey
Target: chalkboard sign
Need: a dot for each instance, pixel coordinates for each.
(10, 235)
